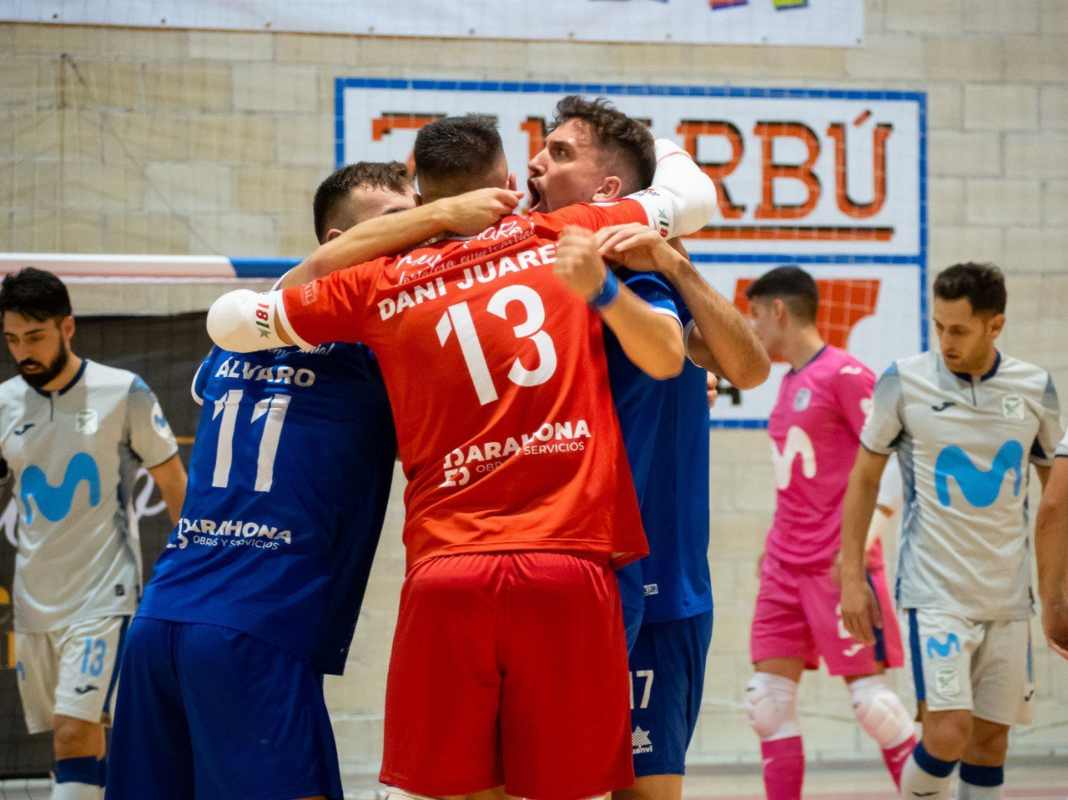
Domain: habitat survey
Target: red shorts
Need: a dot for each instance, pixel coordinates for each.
(799, 615)
(509, 669)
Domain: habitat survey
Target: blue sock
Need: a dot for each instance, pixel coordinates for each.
(78, 770)
(980, 783)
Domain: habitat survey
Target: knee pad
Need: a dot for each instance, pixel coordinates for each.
(880, 712)
(771, 705)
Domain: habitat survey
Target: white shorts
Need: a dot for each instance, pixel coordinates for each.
(982, 667)
(71, 671)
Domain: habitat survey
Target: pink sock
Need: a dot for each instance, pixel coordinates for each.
(784, 768)
(895, 758)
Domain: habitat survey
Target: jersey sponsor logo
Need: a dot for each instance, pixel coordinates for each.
(1012, 406)
(797, 444)
(651, 589)
(21, 430)
(228, 533)
(803, 399)
(551, 438)
(280, 374)
(641, 741)
(937, 649)
(980, 488)
(87, 421)
(55, 502)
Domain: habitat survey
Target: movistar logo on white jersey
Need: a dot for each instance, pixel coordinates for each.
(797, 444)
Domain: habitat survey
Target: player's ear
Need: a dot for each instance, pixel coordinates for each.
(996, 325)
(513, 182)
(66, 327)
(333, 233)
(610, 189)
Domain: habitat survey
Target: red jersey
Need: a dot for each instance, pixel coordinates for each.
(497, 377)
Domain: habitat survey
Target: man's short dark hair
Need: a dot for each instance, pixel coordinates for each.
(333, 193)
(982, 284)
(456, 154)
(34, 293)
(626, 140)
(795, 287)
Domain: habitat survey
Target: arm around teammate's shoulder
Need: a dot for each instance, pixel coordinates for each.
(329, 309)
(465, 214)
(721, 341)
(650, 339)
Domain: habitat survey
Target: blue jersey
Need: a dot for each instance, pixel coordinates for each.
(288, 483)
(665, 430)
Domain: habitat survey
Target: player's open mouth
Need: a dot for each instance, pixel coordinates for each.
(535, 196)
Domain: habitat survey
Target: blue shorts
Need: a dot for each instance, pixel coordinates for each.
(209, 712)
(667, 673)
(632, 598)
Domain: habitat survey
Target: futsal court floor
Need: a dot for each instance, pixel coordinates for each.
(1032, 780)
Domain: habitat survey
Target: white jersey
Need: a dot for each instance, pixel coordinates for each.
(1062, 448)
(963, 445)
(73, 455)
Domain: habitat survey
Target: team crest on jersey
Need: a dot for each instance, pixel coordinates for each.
(87, 421)
(1012, 406)
(803, 399)
(159, 422)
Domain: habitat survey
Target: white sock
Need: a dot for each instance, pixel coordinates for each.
(966, 791)
(926, 777)
(77, 791)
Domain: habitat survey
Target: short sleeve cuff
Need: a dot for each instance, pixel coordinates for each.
(873, 447)
(283, 320)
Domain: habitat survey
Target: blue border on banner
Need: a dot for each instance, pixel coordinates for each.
(654, 90)
(262, 267)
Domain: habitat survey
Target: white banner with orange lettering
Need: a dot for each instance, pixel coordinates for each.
(775, 22)
(833, 180)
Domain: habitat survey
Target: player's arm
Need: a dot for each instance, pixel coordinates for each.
(859, 614)
(465, 214)
(150, 437)
(887, 504)
(879, 437)
(651, 340)
(171, 479)
(328, 309)
(721, 340)
(1051, 554)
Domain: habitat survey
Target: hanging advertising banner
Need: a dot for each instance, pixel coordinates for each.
(775, 22)
(832, 180)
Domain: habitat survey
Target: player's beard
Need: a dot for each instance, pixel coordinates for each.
(40, 378)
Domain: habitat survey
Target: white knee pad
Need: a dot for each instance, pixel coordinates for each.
(880, 712)
(771, 705)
